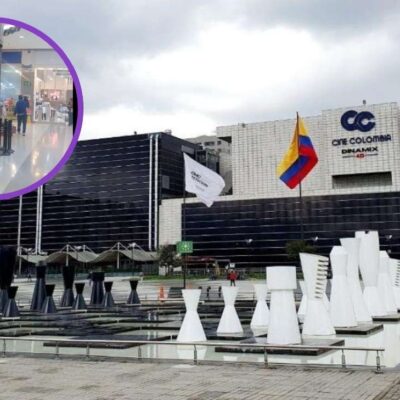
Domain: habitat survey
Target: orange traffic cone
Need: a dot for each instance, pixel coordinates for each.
(161, 293)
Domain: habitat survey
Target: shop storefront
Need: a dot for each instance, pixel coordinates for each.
(52, 93)
(32, 69)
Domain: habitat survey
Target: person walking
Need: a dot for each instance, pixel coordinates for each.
(70, 112)
(20, 110)
(232, 276)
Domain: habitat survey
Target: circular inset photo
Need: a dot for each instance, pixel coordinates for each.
(41, 108)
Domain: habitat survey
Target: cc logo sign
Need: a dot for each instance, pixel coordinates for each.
(352, 120)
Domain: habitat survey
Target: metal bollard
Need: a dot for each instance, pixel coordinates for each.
(195, 355)
(378, 363)
(4, 347)
(140, 353)
(57, 350)
(343, 359)
(265, 358)
(88, 351)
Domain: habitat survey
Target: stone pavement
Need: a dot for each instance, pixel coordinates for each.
(66, 379)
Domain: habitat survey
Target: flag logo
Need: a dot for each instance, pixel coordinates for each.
(300, 158)
(206, 184)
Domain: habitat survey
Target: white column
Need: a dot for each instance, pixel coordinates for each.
(394, 268)
(191, 329)
(385, 289)
(369, 265)
(283, 327)
(352, 246)
(150, 189)
(261, 313)
(156, 192)
(342, 310)
(317, 321)
(229, 322)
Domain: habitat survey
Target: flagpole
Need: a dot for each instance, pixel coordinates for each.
(300, 189)
(184, 234)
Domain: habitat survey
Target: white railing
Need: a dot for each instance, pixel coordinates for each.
(87, 343)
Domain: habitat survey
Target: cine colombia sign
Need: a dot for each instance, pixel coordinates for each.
(362, 145)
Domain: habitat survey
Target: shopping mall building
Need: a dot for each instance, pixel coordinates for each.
(129, 189)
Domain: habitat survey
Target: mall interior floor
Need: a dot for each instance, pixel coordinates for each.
(35, 155)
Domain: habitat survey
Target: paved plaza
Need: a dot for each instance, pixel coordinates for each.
(66, 379)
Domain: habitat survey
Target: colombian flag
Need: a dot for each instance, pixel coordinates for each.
(300, 159)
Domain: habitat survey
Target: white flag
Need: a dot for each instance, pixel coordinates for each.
(206, 184)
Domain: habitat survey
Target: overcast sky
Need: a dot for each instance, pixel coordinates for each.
(193, 65)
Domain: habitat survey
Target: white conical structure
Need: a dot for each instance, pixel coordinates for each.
(385, 289)
(283, 327)
(191, 329)
(342, 310)
(261, 313)
(301, 312)
(317, 321)
(303, 304)
(394, 268)
(352, 246)
(229, 322)
(369, 265)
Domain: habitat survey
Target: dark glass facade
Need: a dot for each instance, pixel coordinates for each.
(254, 233)
(101, 196)
(9, 221)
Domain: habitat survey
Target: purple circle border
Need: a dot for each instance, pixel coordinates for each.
(79, 119)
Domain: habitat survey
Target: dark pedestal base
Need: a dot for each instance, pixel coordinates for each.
(79, 303)
(39, 293)
(11, 309)
(97, 288)
(67, 298)
(49, 306)
(133, 298)
(3, 299)
(108, 301)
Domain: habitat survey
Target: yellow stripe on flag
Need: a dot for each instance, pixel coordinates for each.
(293, 152)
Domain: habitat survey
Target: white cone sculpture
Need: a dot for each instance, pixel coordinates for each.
(283, 327)
(385, 289)
(191, 329)
(394, 268)
(229, 322)
(369, 265)
(352, 246)
(317, 321)
(342, 310)
(261, 313)
(301, 312)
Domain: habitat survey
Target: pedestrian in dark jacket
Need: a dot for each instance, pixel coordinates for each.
(20, 110)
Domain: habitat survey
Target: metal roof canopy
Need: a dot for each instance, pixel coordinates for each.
(32, 258)
(80, 254)
(132, 253)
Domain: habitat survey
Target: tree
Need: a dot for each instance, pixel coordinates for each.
(167, 256)
(294, 247)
